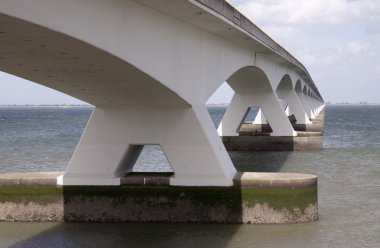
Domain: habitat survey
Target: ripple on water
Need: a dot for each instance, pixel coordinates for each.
(348, 170)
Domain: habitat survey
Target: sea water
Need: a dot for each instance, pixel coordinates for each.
(348, 169)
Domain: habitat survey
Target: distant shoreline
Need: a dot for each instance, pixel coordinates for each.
(353, 104)
(81, 105)
(207, 105)
(45, 105)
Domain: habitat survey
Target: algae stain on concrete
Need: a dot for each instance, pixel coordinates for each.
(235, 204)
(280, 198)
(191, 204)
(31, 203)
(42, 195)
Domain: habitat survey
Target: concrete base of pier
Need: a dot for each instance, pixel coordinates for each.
(253, 198)
(256, 137)
(252, 129)
(304, 142)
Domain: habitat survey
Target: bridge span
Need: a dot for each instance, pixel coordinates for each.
(149, 67)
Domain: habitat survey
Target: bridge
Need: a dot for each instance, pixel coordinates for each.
(149, 67)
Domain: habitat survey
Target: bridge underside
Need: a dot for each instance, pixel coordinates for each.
(76, 68)
(132, 109)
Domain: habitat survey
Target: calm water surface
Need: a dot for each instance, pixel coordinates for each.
(35, 139)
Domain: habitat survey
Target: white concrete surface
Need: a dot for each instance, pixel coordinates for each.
(253, 88)
(260, 118)
(186, 135)
(163, 59)
(285, 91)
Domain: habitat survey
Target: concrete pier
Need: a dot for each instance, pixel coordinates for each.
(249, 129)
(253, 198)
(158, 97)
(147, 91)
(257, 137)
(273, 143)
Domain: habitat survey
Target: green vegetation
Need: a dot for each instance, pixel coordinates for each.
(231, 197)
(280, 198)
(42, 195)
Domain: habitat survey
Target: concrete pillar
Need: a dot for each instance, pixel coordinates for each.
(276, 116)
(315, 105)
(306, 105)
(288, 111)
(319, 106)
(310, 100)
(270, 106)
(295, 104)
(113, 138)
(283, 104)
(234, 116)
(311, 107)
(260, 118)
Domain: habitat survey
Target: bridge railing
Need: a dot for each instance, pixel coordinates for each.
(228, 11)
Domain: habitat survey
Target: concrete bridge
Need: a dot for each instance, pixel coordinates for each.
(149, 67)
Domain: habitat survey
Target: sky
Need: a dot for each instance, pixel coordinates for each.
(337, 40)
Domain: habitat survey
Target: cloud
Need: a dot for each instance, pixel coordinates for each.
(363, 51)
(284, 18)
(321, 57)
(373, 27)
(319, 33)
(337, 40)
(353, 53)
(295, 12)
(357, 47)
(281, 32)
(377, 69)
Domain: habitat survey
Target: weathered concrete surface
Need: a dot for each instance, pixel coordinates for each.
(274, 180)
(146, 179)
(32, 196)
(318, 124)
(29, 179)
(31, 212)
(252, 129)
(247, 129)
(315, 127)
(303, 142)
(254, 198)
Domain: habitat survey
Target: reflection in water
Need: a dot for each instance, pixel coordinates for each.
(132, 235)
(168, 235)
(18, 234)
